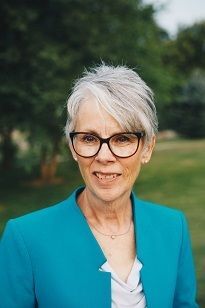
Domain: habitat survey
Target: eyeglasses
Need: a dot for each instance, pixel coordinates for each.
(121, 145)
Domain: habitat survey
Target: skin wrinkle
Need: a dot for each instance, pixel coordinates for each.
(106, 205)
(110, 221)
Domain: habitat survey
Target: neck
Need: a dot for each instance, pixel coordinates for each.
(112, 216)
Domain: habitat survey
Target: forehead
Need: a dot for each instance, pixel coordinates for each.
(92, 117)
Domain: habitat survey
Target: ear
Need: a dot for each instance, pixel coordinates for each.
(148, 150)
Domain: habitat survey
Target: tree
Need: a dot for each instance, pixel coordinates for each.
(188, 113)
(46, 45)
(33, 82)
(14, 78)
(183, 56)
(187, 52)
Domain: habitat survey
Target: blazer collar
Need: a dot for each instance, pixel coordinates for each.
(145, 246)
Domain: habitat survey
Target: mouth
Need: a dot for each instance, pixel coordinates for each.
(108, 177)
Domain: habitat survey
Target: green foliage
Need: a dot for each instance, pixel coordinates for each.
(48, 43)
(188, 113)
(184, 56)
(186, 53)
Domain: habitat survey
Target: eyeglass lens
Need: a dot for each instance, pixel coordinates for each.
(122, 145)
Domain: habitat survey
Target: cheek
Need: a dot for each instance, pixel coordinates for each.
(131, 172)
(84, 166)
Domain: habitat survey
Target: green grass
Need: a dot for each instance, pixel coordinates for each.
(175, 177)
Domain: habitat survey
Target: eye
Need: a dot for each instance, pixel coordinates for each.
(87, 138)
(123, 139)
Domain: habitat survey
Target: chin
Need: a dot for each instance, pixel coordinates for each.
(109, 194)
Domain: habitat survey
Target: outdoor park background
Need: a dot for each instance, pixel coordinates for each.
(44, 45)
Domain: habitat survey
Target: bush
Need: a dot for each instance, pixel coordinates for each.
(188, 113)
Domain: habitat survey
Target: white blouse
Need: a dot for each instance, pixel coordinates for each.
(129, 294)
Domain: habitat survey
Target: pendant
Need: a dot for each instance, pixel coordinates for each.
(113, 237)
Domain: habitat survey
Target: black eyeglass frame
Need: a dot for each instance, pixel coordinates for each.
(139, 135)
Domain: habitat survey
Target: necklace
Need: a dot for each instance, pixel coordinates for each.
(112, 236)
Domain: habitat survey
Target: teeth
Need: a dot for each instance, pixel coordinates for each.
(106, 176)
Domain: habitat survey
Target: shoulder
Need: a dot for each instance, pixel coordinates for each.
(161, 224)
(48, 213)
(156, 209)
(39, 231)
(158, 215)
(47, 218)
(152, 207)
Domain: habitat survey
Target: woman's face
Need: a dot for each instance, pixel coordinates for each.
(106, 176)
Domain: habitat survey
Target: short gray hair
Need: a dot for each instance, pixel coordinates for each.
(121, 92)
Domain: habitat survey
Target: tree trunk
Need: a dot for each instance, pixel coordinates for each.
(48, 169)
(7, 149)
(49, 164)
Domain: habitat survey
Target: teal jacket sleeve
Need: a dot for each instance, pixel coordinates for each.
(185, 291)
(16, 279)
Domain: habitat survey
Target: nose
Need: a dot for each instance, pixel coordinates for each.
(105, 155)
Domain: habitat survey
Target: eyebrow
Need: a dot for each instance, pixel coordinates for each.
(93, 132)
(90, 131)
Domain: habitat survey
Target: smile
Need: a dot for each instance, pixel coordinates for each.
(106, 176)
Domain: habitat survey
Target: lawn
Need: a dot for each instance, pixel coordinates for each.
(175, 177)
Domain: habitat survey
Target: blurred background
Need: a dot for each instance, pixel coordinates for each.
(46, 44)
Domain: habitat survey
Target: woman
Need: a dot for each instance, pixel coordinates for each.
(102, 247)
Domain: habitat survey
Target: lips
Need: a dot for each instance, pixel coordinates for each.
(106, 176)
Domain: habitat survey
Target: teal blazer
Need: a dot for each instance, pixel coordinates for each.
(50, 259)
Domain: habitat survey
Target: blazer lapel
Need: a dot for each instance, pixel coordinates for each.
(147, 253)
(92, 257)
(147, 248)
